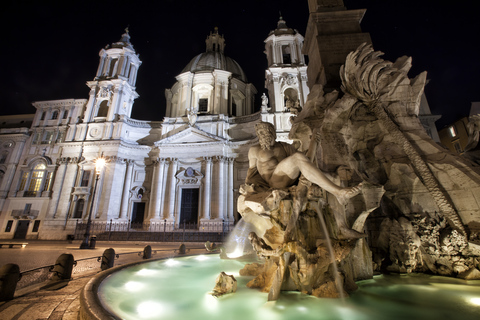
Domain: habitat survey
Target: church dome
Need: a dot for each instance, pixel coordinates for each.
(209, 61)
(214, 58)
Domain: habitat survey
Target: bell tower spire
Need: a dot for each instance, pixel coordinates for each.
(112, 91)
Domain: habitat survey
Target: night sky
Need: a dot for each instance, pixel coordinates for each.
(50, 48)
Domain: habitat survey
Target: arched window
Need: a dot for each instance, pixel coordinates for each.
(33, 182)
(287, 59)
(103, 109)
(78, 213)
(55, 115)
(113, 64)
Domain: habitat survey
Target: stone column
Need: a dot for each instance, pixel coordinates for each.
(230, 200)
(157, 189)
(173, 185)
(126, 188)
(59, 177)
(279, 104)
(221, 187)
(153, 188)
(164, 187)
(207, 193)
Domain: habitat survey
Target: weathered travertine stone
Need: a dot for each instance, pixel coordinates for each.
(416, 198)
(224, 284)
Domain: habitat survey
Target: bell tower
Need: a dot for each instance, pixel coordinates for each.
(285, 77)
(112, 91)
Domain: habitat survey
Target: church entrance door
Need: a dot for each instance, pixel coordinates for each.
(189, 207)
(138, 213)
(22, 228)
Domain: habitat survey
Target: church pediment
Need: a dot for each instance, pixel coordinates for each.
(190, 135)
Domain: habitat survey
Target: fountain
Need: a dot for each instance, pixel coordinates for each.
(157, 290)
(367, 191)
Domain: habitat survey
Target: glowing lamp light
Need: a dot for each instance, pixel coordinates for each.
(99, 164)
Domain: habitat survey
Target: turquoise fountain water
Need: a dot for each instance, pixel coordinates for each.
(179, 289)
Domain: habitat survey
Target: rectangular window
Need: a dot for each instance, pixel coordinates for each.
(458, 147)
(35, 138)
(77, 214)
(452, 131)
(43, 116)
(60, 136)
(65, 114)
(36, 225)
(27, 209)
(203, 105)
(35, 184)
(48, 137)
(8, 228)
(85, 178)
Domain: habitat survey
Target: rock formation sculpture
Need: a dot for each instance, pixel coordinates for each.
(364, 165)
(224, 284)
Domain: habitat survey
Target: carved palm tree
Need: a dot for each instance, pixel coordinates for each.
(377, 83)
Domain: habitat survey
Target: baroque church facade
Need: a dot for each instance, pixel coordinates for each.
(158, 174)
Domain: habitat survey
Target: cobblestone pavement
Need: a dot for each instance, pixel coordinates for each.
(38, 303)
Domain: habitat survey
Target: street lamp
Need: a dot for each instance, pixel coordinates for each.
(99, 164)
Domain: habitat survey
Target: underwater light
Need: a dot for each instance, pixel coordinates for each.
(134, 286)
(171, 262)
(238, 252)
(146, 272)
(149, 309)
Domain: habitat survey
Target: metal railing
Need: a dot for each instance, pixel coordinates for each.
(163, 231)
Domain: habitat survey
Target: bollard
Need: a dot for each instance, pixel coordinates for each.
(62, 270)
(147, 252)
(9, 276)
(93, 242)
(182, 249)
(108, 259)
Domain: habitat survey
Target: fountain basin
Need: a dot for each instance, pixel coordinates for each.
(179, 289)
